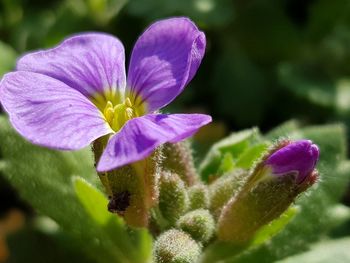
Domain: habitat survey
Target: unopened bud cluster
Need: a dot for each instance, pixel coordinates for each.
(186, 215)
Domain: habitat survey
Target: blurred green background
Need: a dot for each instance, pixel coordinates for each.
(267, 61)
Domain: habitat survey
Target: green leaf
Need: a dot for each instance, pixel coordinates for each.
(143, 244)
(227, 164)
(235, 144)
(335, 251)
(93, 201)
(247, 159)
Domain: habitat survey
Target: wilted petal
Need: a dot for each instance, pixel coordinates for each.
(49, 113)
(140, 136)
(90, 63)
(164, 59)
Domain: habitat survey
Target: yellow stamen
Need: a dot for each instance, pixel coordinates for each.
(119, 119)
(128, 102)
(109, 104)
(118, 114)
(108, 111)
(129, 113)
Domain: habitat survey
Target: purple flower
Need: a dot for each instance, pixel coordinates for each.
(67, 97)
(298, 157)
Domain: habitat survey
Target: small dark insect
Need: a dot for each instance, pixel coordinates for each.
(119, 202)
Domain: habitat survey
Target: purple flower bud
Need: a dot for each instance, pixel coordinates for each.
(271, 188)
(298, 157)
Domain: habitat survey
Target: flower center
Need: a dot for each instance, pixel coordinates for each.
(118, 115)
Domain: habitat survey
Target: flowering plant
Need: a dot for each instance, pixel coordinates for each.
(158, 206)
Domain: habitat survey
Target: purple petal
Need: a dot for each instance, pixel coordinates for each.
(140, 136)
(164, 59)
(299, 156)
(90, 63)
(47, 112)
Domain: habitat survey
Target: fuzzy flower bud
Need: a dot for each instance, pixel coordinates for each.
(178, 159)
(173, 197)
(199, 224)
(175, 246)
(222, 190)
(198, 196)
(277, 180)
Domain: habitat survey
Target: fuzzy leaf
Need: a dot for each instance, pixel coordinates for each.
(248, 157)
(235, 144)
(227, 164)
